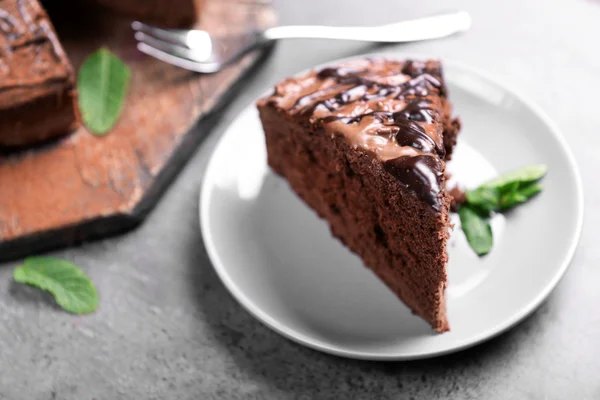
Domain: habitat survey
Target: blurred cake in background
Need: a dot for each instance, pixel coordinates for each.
(165, 13)
(38, 99)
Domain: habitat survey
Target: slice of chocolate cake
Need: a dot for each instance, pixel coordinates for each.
(37, 83)
(164, 13)
(364, 144)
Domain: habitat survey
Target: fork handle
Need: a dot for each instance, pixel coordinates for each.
(435, 26)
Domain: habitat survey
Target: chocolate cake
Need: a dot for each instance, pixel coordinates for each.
(37, 83)
(365, 144)
(165, 13)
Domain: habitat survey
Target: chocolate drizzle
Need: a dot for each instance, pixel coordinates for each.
(404, 129)
(423, 174)
(347, 84)
(391, 109)
(14, 28)
(9, 25)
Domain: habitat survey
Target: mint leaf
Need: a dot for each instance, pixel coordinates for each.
(477, 229)
(507, 190)
(531, 190)
(71, 288)
(500, 194)
(519, 196)
(522, 176)
(485, 198)
(102, 84)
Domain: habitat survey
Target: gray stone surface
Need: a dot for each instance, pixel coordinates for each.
(168, 329)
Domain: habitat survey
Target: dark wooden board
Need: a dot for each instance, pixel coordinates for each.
(85, 187)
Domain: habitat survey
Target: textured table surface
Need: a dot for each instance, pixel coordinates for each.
(168, 329)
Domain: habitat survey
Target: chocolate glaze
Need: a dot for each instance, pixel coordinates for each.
(392, 109)
(401, 126)
(418, 86)
(421, 173)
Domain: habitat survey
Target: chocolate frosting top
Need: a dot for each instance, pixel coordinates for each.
(392, 109)
(32, 61)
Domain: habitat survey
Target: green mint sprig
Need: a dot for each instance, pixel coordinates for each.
(477, 229)
(71, 288)
(102, 85)
(499, 194)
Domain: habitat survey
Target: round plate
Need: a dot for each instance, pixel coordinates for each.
(280, 262)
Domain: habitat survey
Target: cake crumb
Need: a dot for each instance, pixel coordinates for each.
(459, 196)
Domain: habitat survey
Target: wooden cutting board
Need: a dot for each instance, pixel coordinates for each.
(85, 187)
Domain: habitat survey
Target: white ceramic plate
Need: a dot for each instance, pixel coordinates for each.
(280, 262)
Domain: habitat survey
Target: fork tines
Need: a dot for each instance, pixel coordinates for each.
(189, 49)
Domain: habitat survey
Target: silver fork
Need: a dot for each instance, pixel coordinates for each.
(197, 50)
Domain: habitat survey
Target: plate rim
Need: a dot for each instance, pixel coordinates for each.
(495, 330)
